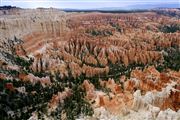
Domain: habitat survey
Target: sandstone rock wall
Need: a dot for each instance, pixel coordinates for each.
(29, 24)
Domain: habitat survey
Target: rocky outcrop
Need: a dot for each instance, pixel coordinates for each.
(58, 99)
(44, 81)
(128, 99)
(32, 25)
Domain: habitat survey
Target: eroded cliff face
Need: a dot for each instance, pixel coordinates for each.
(120, 65)
(32, 26)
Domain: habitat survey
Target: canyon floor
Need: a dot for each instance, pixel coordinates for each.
(57, 65)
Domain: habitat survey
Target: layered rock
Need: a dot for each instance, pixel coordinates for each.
(32, 25)
(133, 100)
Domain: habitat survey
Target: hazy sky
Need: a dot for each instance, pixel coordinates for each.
(82, 4)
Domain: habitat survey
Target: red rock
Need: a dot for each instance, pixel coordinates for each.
(9, 86)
